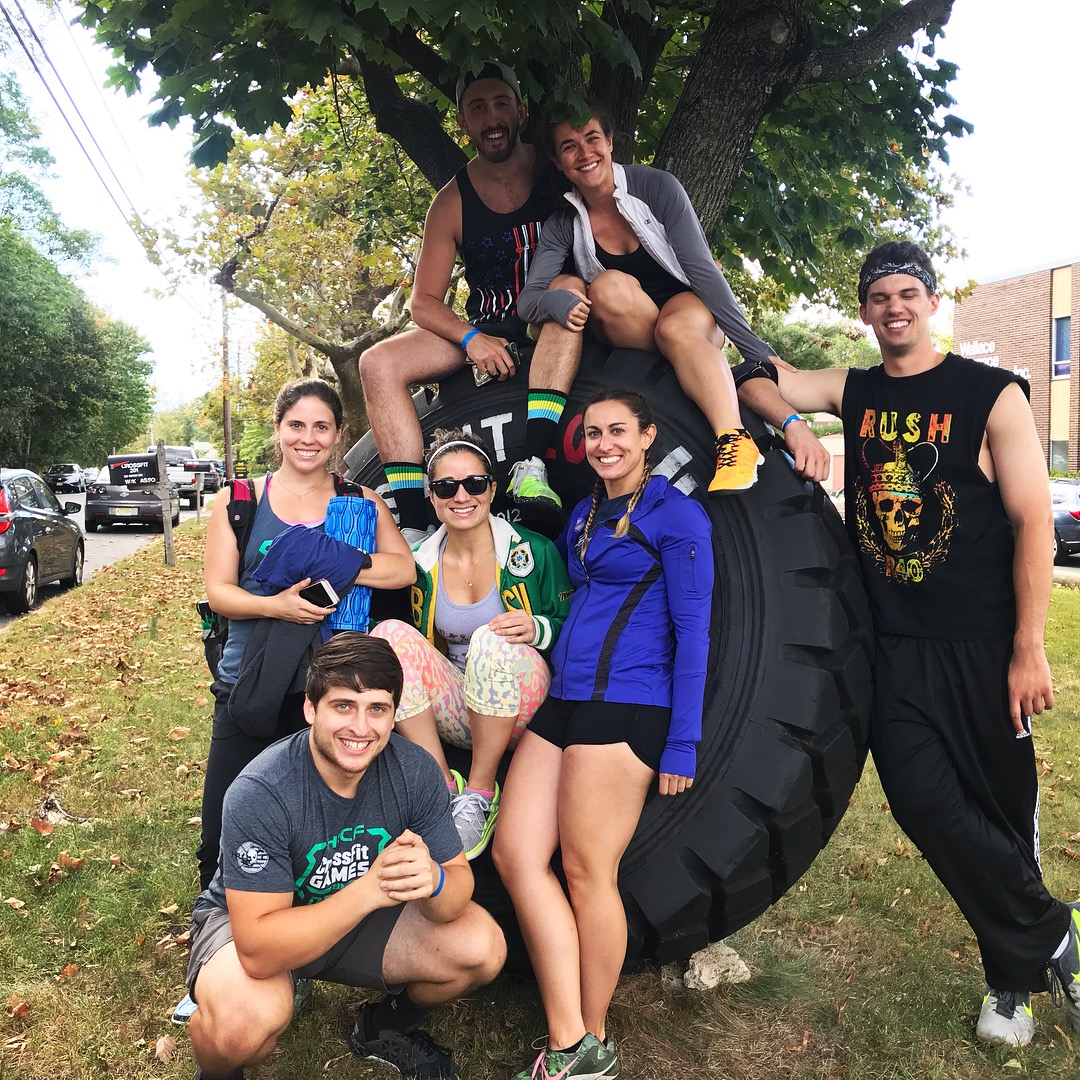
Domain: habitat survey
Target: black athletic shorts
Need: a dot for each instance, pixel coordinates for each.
(644, 728)
(513, 329)
(356, 960)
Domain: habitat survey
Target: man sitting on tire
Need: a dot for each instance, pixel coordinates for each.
(340, 861)
(948, 506)
(491, 216)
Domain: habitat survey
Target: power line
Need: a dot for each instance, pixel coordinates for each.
(56, 13)
(174, 284)
(74, 105)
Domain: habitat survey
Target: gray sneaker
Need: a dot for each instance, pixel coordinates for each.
(474, 817)
(1063, 973)
(529, 484)
(1006, 1017)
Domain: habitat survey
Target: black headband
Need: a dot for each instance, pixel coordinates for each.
(927, 277)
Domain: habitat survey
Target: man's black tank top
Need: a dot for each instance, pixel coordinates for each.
(935, 544)
(496, 250)
(657, 284)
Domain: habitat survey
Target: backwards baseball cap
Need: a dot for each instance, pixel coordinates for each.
(491, 69)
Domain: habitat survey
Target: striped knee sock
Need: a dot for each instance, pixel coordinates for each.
(542, 426)
(406, 480)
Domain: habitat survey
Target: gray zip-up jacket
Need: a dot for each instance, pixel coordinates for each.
(658, 210)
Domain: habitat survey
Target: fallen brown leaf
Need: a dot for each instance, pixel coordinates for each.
(165, 1049)
(178, 733)
(16, 1008)
(18, 906)
(800, 1048)
(40, 826)
(69, 862)
(66, 972)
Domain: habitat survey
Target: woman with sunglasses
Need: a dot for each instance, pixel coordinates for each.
(624, 716)
(487, 606)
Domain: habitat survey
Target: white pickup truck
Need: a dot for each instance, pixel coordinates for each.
(175, 456)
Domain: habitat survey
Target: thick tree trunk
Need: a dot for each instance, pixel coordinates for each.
(750, 54)
(415, 125)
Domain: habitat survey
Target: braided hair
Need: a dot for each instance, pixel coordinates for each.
(639, 407)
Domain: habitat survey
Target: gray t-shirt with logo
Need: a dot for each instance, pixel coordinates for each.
(283, 830)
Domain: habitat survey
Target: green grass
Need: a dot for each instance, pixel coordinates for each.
(864, 971)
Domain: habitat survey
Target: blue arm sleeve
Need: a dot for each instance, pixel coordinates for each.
(687, 558)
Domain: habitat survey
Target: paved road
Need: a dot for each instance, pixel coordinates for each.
(105, 546)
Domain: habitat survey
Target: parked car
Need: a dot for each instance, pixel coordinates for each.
(1065, 498)
(66, 477)
(175, 456)
(116, 504)
(39, 542)
(212, 481)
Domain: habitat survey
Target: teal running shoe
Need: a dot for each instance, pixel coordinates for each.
(592, 1060)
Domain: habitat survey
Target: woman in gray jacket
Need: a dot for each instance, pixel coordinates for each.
(651, 282)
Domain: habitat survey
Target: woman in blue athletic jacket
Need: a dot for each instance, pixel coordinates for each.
(624, 707)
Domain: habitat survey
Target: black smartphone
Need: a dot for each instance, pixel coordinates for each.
(320, 593)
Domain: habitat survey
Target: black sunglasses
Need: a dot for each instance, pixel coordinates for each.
(446, 488)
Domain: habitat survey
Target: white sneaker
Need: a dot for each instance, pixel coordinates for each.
(415, 537)
(184, 1008)
(1005, 1017)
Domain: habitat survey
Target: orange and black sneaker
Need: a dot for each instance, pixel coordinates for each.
(737, 461)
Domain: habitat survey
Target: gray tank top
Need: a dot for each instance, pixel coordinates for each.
(456, 622)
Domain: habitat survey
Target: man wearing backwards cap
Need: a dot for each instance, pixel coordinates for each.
(948, 506)
(490, 215)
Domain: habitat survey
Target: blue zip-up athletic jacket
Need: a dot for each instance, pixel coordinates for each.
(638, 628)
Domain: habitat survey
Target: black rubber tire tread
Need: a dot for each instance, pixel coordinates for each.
(75, 578)
(16, 602)
(787, 703)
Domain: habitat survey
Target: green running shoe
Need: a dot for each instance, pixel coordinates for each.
(529, 484)
(592, 1060)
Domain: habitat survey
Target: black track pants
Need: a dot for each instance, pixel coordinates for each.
(965, 790)
(230, 750)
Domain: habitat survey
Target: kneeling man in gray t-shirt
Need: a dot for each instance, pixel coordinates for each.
(339, 861)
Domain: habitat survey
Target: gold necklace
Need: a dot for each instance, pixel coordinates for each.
(299, 495)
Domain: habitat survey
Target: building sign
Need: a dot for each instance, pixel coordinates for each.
(985, 352)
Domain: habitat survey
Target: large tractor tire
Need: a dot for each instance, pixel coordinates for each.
(788, 697)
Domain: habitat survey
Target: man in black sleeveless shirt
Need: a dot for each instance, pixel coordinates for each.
(948, 506)
(491, 217)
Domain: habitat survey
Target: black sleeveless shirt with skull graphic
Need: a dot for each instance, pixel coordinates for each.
(935, 544)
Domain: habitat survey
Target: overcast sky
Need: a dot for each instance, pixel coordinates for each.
(1018, 164)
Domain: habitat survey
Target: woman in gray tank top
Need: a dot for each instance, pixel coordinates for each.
(488, 603)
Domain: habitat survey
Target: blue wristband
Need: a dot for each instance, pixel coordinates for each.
(442, 869)
(790, 420)
(468, 337)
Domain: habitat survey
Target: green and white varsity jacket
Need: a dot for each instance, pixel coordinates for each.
(531, 574)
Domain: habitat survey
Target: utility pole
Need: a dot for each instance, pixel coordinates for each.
(226, 411)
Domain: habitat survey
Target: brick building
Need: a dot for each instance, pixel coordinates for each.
(1023, 323)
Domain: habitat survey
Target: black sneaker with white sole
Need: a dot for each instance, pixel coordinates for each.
(413, 1053)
